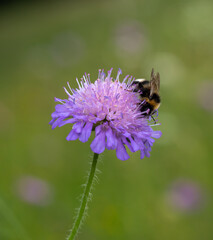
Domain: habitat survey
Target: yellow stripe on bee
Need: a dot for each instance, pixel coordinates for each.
(152, 103)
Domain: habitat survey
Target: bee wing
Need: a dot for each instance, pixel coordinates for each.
(154, 82)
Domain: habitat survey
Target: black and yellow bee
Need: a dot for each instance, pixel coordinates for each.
(148, 94)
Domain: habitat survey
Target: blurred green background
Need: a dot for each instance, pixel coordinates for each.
(43, 45)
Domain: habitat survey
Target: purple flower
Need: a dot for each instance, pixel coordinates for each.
(108, 108)
(185, 195)
(34, 190)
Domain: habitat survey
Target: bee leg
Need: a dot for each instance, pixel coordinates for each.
(153, 119)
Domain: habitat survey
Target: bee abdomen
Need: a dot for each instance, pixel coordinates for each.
(155, 97)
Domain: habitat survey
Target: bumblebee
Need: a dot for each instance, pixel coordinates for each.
(148, 94)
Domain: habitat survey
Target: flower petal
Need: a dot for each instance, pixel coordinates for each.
(72, 135)
(60, 114)
(111, 142)
(72, 120)
(121, 151)
(147, 153)
(56, 123)
(78, 127)
(156, 134)
(140, 142)
(98, 144)
(134, 144)
(125, 141)
(52, 121)
(142, 154)
(86, 132)
(98, 129)
(61, 108)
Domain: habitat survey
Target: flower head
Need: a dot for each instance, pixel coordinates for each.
(185, 195)
(108, 108)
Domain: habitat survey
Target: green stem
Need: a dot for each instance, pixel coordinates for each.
(84, 200)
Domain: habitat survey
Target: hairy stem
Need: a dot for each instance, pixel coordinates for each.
(84, 201)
